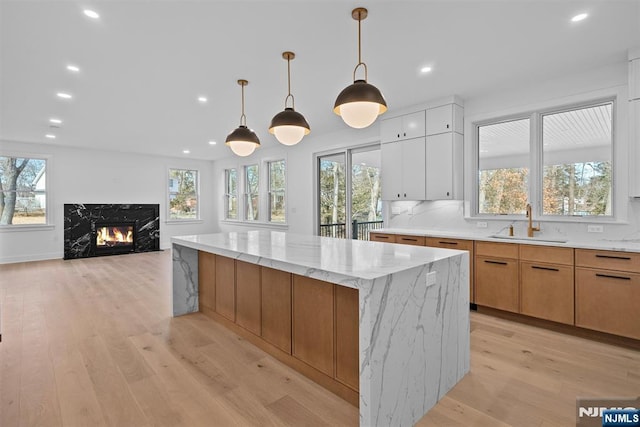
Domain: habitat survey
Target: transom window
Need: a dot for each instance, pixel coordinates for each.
(562, 165)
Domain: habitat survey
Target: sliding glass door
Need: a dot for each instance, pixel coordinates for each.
(349, 188)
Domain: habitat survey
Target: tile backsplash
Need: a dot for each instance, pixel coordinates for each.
(448, 215)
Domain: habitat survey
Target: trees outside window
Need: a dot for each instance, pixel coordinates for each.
(23, 192)
(231, 193)
(277, 191)
(183, 194)
(252, 196)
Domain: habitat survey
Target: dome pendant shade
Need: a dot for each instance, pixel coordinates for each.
(243, 141)
(360, 104)
(289, 126)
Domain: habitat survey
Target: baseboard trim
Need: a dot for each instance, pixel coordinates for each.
(31, 258)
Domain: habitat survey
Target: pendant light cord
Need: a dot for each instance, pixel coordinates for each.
(243, 118)
(293, 101)
(360, 51)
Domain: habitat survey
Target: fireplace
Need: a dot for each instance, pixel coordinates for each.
(113, 237)
(108, 229)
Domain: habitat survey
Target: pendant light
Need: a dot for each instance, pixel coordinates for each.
(361, 103)
(243, 141)
(289, 126)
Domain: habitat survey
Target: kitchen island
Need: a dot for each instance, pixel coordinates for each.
(406, 308)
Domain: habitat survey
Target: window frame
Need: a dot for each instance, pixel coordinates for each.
(168, 194)
(49, 213)
(536, 173)
(246, 195)
(268, 163)
(227, 195)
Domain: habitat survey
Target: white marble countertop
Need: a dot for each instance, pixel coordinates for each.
(632, 245)
(343, 257)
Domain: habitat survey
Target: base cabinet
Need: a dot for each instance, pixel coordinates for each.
(248, 295)
(462, 245)
(347, 348)
(206, 281)
(496, 272)
(225, 287)
(276, 308)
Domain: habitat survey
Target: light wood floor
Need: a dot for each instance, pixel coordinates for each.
(91, 342)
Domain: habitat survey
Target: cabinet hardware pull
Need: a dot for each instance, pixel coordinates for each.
(448, 243)
(609, 276)
(405, 134)
(495, 262)
(447, 126)
(405, 194)
(409, 240)
(625, 258)
(382, 237)
(544, 268)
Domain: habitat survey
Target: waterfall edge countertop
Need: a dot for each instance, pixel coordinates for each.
(325, 258)
(413, 309)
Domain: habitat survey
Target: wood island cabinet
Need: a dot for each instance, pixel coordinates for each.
(248, 297)
(276, 308)
(313, 323)
(347, 342)
(382, 237)
(206, 281)
(225, 287)
(546, 283)
(496, 275)
(608, 291)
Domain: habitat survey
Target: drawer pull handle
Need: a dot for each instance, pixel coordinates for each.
(409, 240)
(495, 262)
(544, 268)
(609, 276)
(448, 243)
(625, 258)
(382, 237)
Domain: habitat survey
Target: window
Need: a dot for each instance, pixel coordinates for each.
(23, 191)
(503, 167)
(251, 189)
(183, 194)
(574, 147)
(231, 193)
(277, 192)
(577, 161)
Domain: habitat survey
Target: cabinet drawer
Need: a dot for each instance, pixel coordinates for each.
(608, 301)
(500, 250)
(496, 283)
(546, 291)
(381, 237)
(608, 260)
(410, 240)
(548, 254)
(439, 242)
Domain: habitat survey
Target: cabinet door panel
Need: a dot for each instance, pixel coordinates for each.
(390, 129)
(206, 280)
(347, 336)
(608, 301)
(391, 155)
(410, 240)
(248, 296)
(546, 291)
(413, 169)
(413, 125)
(225, 287)
(276, 308)
(462, 245)
(440, 119)
(497, 283)
(439, 167)
(313, 323)
(381, 237)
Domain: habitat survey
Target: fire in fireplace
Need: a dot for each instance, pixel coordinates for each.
(114, 238)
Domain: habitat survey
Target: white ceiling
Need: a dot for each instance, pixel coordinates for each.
(144, 63)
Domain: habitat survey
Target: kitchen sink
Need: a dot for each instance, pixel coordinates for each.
(533, 239)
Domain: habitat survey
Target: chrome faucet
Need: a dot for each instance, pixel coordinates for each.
(530, 227)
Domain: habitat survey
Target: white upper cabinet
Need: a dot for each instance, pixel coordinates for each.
(446, 118)
(444, 166)
(404, 127)
(403, 170)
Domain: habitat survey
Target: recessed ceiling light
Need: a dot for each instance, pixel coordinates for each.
(50, 136)
(186, 151)
(212, 142)
(55, 121)
(91, 13)
(73, 68)
(64, 95)
(425, 70)
(579, 17)
(202, 99)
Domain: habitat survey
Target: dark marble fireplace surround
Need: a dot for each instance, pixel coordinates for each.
(80, 220)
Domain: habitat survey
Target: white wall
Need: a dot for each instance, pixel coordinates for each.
(450, 215)
(89, 176)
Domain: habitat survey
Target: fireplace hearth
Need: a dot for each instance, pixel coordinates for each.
(108, 229)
